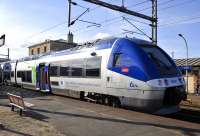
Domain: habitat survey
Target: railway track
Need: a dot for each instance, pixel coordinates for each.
(187, 114)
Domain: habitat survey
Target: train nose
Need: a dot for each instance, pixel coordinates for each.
(174, 95)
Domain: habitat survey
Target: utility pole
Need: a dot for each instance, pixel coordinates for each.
(154, 22)
(123, 3)
(69, 13)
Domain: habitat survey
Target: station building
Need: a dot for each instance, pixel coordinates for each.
(193, 72)
(52, 45)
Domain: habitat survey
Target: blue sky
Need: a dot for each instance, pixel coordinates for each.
(23, 21)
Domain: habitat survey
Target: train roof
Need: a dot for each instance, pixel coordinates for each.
(97, 45)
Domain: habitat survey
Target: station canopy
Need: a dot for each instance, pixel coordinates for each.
(191, 62)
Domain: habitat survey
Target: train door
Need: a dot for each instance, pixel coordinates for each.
(114, 78)
(42, 77)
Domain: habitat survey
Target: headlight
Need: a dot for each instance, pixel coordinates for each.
(160, 83)
(166, 82)
(180, 80)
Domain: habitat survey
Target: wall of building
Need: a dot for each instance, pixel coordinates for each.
(56, 46)
(192, 82)
(52, 45)
(41, 48)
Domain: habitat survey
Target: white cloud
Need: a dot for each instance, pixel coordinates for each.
(101, 35)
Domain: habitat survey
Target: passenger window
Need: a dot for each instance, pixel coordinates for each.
(77, 67)
(28, 76)
(65, 68)
(19, 74)
(64, 71)
(93, 67)
(12, 73)
(54, 71)
(23, 76)
(117, 59)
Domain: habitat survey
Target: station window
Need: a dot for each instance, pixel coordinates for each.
(45, 48)
(93, 67)
(38, 50)
(32, 52)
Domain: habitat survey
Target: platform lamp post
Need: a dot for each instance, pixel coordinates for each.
(186, 60)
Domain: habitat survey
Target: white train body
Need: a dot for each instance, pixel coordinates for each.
(105, 72)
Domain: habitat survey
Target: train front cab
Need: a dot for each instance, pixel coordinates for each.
(42, 77)
(136, 64)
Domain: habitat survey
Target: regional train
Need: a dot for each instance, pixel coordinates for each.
(113, 71)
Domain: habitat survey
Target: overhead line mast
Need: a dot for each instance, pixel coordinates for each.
(153, 19)
(155, 22)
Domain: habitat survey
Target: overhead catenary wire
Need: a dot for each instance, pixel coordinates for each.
(118, 17)
(135, 20)
(161, 3)
(178, 4)
(108, 20)
(65, 22)
(102, 26)
(53, 26)
(180, 21)
(141, 31)
(139, 3)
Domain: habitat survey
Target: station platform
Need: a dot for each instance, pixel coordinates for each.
(69, 116)
(193, 100)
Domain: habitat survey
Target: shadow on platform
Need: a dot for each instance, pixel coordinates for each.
(184, 130)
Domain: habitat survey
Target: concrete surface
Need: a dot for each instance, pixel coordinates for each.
(194, 101)
(78, 118)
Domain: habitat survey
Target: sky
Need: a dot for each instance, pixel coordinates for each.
(26, 22)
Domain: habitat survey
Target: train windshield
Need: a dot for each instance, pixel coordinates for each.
(161, 60)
